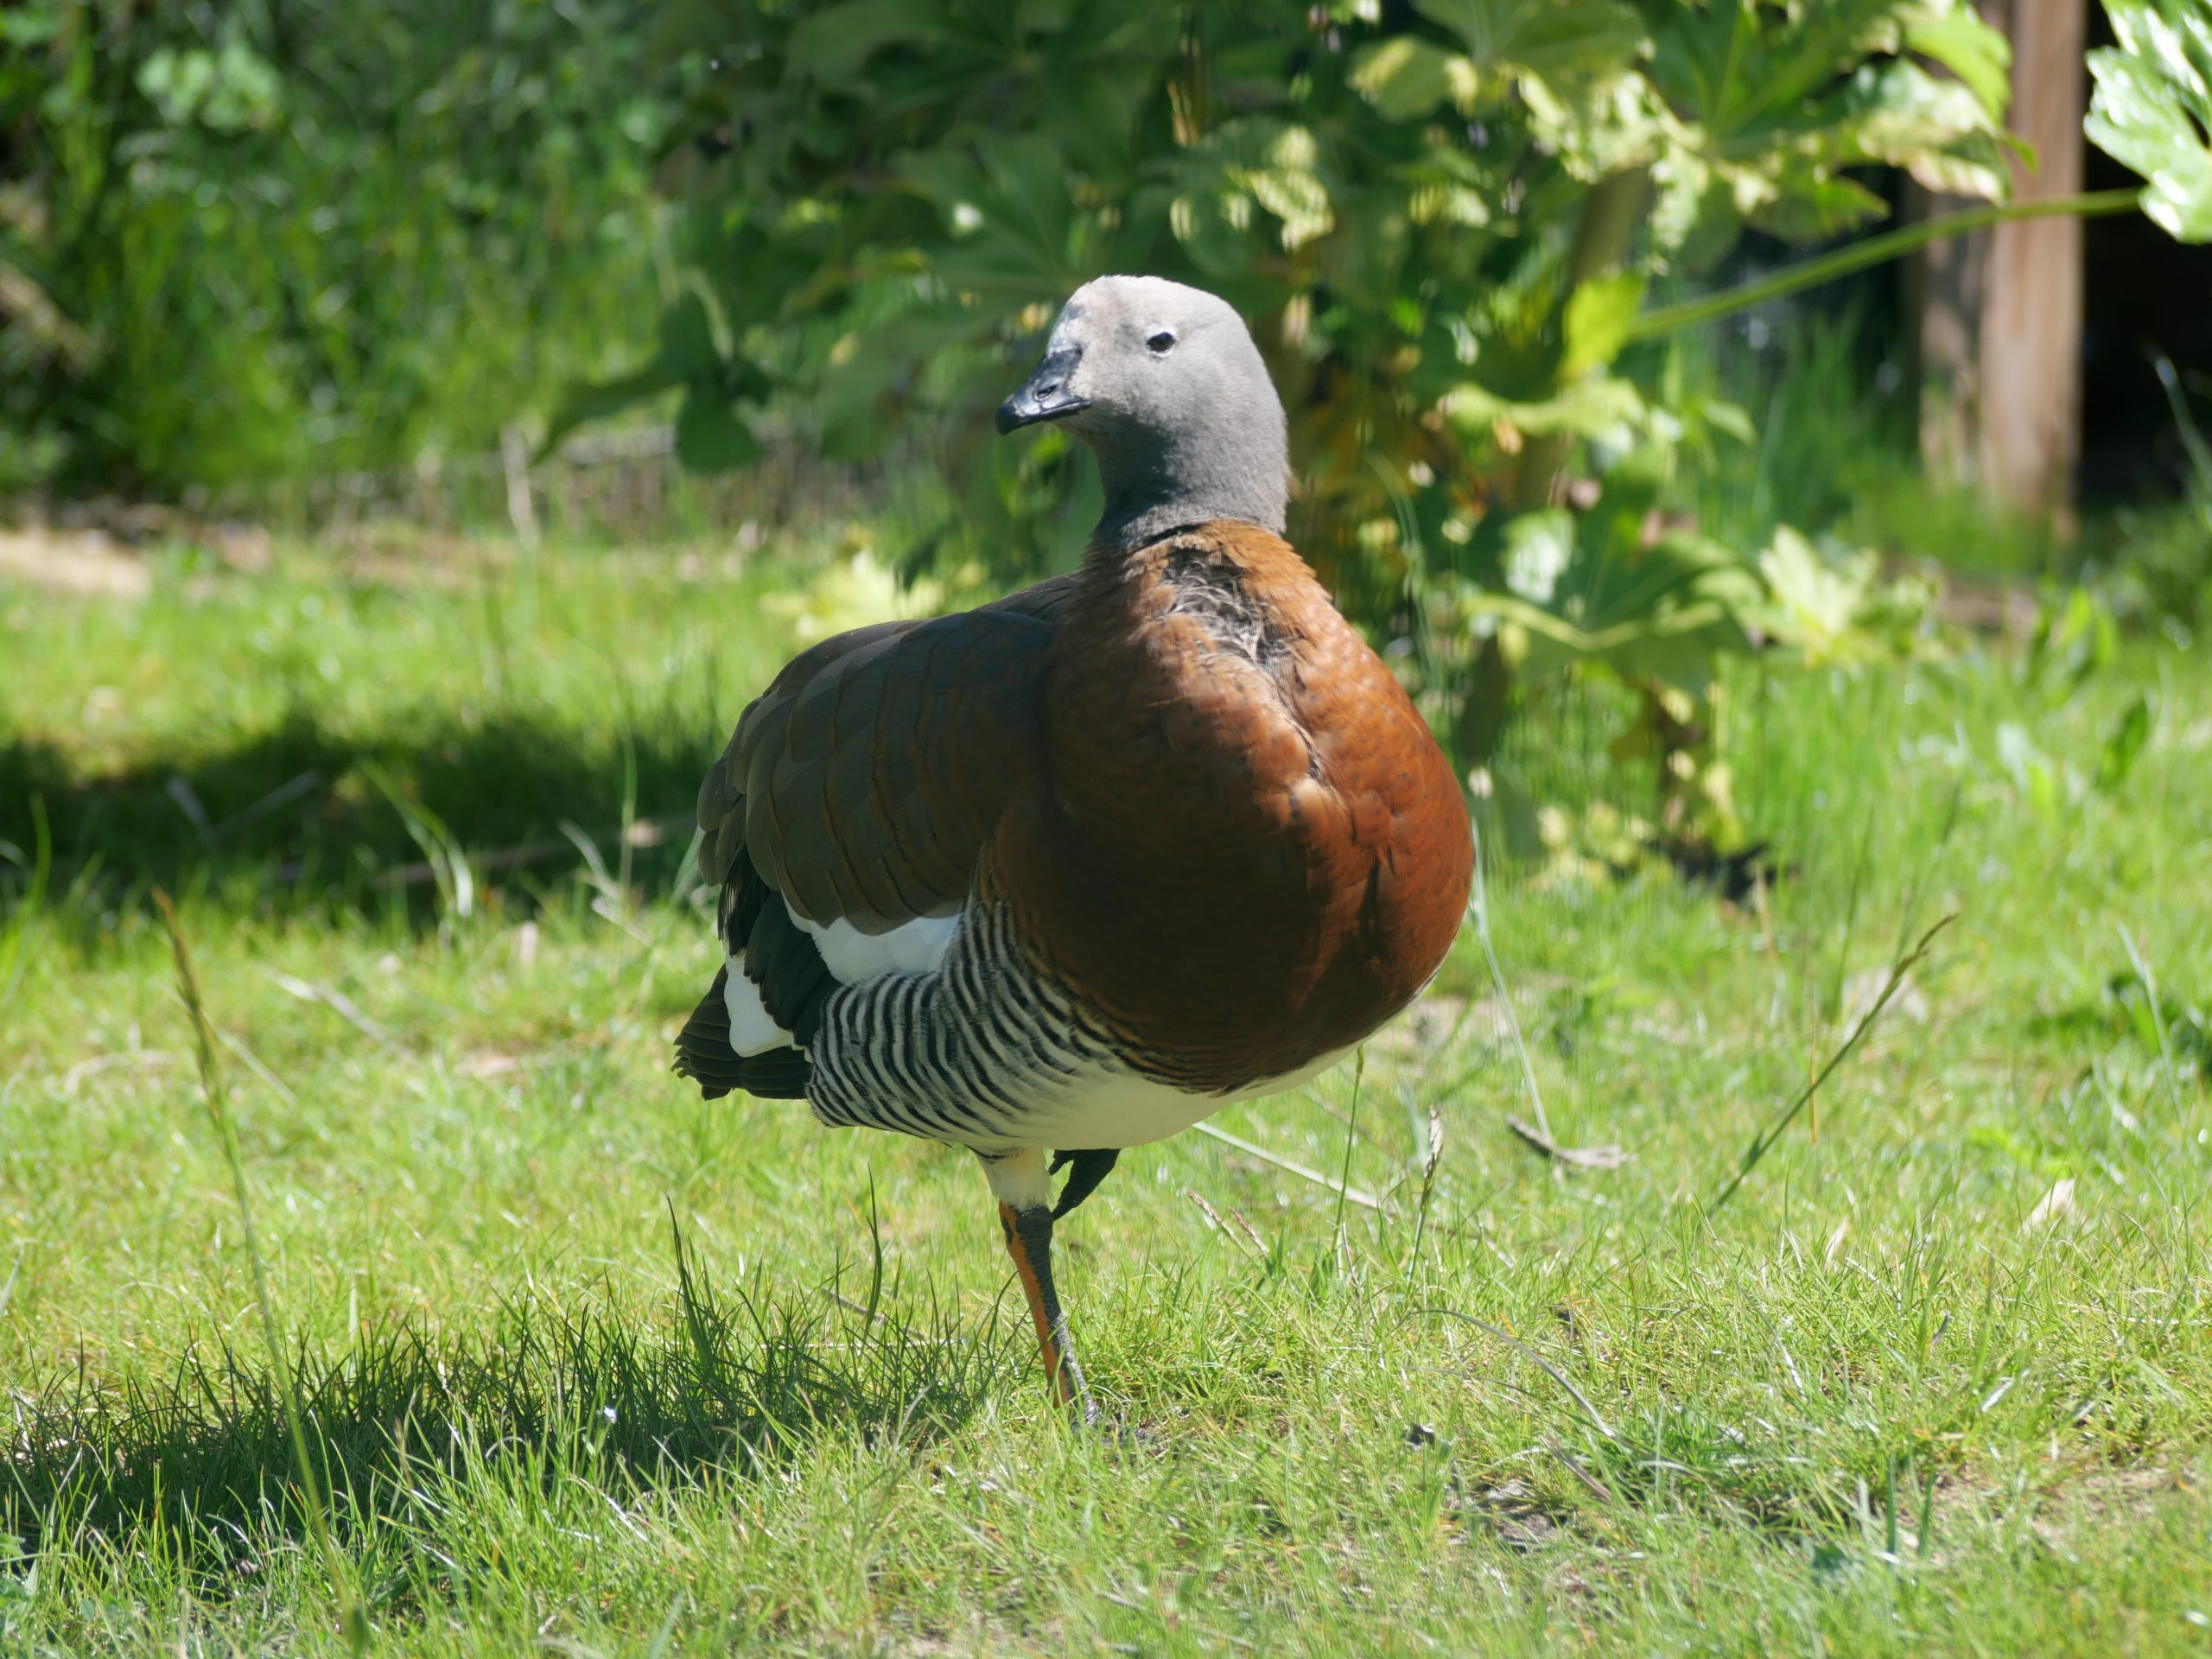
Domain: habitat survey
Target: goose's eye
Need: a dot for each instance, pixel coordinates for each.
(1161, 341)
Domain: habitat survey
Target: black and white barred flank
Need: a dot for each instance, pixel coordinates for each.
(979, 1047)
(973, 1054)
(946, 1028)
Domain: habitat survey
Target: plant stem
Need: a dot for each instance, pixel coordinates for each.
(1874, 250)
(353, 1618)
(1610, 214)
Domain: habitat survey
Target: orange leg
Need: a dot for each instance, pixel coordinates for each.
(1029, 1241)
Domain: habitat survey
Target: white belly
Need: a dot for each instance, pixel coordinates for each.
(1120, 1110)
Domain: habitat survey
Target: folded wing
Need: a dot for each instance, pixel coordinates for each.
(843, 822)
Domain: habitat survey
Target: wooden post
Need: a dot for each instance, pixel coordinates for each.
(2001, 312)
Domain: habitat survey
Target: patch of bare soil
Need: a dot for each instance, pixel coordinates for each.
(82, 563)
(1440, 1018)
(1986, 605)
(95, 551)
(2073, 1502)
(2103, 1499)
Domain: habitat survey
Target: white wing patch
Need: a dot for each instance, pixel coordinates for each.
(751, 1030)
(915, 947)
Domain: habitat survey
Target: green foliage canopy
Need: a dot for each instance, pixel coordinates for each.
(1441, 218)
(248, 241)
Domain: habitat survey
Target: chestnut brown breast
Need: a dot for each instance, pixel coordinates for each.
(1243, 849)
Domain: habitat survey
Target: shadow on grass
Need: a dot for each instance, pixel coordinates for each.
(301, 816)
(743, 1384)
(2160, 1021)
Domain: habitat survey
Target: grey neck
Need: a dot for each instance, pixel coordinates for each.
(1155, 485)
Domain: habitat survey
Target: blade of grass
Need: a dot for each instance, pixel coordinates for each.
(1343, 1179)
(2142, 966)
(1365, 1199)
(448, 859)
(1597, 1418)
(351, 1616)
(14, 958)
(1763, 1142)
(1427, 1183)
(1478, 910)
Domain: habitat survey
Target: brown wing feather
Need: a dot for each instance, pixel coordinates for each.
(704, 1054)
(863, 782)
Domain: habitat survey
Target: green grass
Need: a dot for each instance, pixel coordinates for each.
(592, 1366)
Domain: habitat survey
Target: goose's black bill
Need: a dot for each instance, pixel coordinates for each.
(1046, 396)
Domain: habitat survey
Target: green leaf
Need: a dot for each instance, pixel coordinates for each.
(32, 25)
(1288, 187)
(1808, 205)
(711, 437)
(596, 400)
(1753, 76)
(229, 91)
(2031, 770)
(2070, 647)
(175, 82)
(1670, 640)
(1538, 546)
(2123, 745)
(1592, 592)
(1408, 77)
(832, 44)
(1568, 44)
(1976, 52)
(1729, 419)
(687, 357)
(687, 339)
(1595, 406)
(1937, 131)
(1217, 188)
(853, 394)
(2151, 111)
(1013, 233)
(246, 91)
(1813, 603)
(1771, 108)
(1599, 313)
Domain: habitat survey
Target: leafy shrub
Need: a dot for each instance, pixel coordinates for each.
(237, 243)
(1442, 220)
(1441, 226)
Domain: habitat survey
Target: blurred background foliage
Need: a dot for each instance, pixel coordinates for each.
(242, 244)
(242, 241)
(1451, 224)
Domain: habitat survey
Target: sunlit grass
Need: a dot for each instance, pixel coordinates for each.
(590, 1362)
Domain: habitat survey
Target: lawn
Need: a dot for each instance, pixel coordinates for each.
(590, 1365)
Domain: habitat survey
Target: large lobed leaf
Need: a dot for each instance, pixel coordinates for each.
(2151, 109)
(711, 435)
